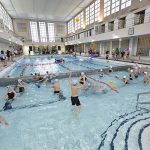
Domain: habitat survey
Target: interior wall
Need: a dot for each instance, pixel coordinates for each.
(5, 47)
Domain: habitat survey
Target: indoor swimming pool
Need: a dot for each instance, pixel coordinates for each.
(42, 64)
(40, 121)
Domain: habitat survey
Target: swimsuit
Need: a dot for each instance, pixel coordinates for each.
(75, 101)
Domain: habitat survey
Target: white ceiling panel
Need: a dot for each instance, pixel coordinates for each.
(55, 10)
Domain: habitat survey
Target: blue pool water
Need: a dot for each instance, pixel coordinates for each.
(56, 127)
(31, 65)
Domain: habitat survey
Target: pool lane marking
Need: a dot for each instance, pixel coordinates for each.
(32, 106)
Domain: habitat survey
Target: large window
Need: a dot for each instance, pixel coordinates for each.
(42, 28)
(91, 13)
(87, 16)
(51, 32)
(7, 21)
(125, 3)
(79, 21)
(115, 6)
(34, 31)
(97, 10)
(107, 7)
(71, 26)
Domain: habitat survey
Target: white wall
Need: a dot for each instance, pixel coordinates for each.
(5, 47)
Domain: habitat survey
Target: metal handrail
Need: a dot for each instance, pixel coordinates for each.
(138, 96)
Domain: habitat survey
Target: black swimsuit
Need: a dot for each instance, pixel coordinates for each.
(82, 80)
(21, 89)
(11, 95)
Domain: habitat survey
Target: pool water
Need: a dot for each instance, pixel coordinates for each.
(56, 126)
(31, 65)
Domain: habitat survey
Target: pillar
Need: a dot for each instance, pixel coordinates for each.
(133, 46)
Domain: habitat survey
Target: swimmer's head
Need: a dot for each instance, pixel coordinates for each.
(19, 80)
(82, 74)
(124, 77)
(101, 70)
(145, 73)
(56, 80)
(131, 71)
(110, 67)
(74, 82)
(111, 81)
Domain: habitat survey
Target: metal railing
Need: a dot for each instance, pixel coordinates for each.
(138, 97)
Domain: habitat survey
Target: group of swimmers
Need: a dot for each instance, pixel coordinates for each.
(83, 83)
(134, 74)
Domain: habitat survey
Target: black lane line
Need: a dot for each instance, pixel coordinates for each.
(140, 136)
(32, 105)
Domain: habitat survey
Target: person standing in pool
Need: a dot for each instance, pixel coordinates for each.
(124, 79)
(21, 86)
(3, 121)
(10, 97)
(83, 79)
(57, 90)
(146, 78)
(74, 93)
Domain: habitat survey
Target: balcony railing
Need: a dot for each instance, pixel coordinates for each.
(122, 23)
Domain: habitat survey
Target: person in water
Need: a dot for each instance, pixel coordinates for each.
(124, 79)
(59, 60)
(146, 78)
(131, 75)
(21, 86)
(10, 97)
(110, 69)
(40, 78)
(57, 90)
(83, 79)
(74, 93)
(136, 72)
(3, 121)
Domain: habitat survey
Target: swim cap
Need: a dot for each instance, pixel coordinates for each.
(82, 73)
(8, 86)
(101, 70)
(56, 80)
(74, 82)
(124, 77)
(111, 81)
(19, 80)
(111, 67)
(131, 71)
(145, 72)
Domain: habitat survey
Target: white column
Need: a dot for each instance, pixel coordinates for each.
(116, 22)
(147, 15)
(110, 47)
(133, 46)
(120, 43)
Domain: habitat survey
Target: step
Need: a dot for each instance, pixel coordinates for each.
(111, 130)
(145, 137)
(118, 140)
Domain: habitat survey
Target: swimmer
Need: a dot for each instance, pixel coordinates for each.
(10, 97)
(136, 72)
(21, 86)
(57, 90)
(131, 75)
(50, 77)
(144, 69)
(101, 74)
(74, 93)
(124, 79)
(40, 78)
(82, 79)
(146, 78)
(110, 69)
(3, 121)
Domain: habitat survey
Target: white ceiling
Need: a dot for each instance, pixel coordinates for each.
(54, 10)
